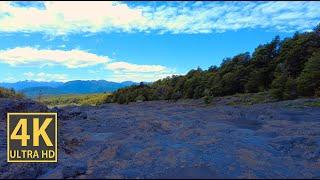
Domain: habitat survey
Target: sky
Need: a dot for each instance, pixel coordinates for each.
(137, 41)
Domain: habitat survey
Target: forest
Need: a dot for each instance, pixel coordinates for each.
(287, 69)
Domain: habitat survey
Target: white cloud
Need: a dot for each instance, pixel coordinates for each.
(138, 77)
(42, 57)
(128, 67)
(46, 77)
(9, 79)
(194, 17)
(123, 71)
(66, 17)
(120, 71)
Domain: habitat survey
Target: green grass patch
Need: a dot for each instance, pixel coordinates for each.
(313, 104)
(249, 98)
(75, 99)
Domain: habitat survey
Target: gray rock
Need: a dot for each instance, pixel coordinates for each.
(74, 170)
(177, 140)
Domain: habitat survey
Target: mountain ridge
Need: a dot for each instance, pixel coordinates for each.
(36, 88)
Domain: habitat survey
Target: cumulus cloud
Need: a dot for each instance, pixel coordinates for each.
(66, 17)
(123, 71)
(194, 17)
(120, 70)
(128, 67)
(46, 77)
(138, 77)
(43, 57)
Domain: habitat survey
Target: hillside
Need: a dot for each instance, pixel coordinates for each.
(288, 68)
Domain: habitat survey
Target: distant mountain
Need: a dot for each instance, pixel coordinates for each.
(34, 88)
(30, 84)
(43, 90)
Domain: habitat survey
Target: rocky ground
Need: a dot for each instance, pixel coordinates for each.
(177, 140)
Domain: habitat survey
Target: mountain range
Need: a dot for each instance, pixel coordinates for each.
(36, 88)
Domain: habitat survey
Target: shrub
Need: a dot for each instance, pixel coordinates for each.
(140, 98)
(207, 99)
(317, 93)
(10, 93)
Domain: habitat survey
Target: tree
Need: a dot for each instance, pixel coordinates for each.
(309, 80)
(317, 29)
(262, 66)
(213, 69)
(290, 89)
(283, 86)
(296, 51)
(141, 84)
(288, 68)
(122, 99)
(278, 84)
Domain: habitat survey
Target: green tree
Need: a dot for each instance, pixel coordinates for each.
(309, 80)
(288, 68)
(290, 89)
(278, 84)
(262, 66)
(296, 51)
(283, 87)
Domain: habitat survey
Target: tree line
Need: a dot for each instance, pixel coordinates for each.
(288, 69)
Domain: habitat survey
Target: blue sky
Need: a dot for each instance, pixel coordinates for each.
(138, 41)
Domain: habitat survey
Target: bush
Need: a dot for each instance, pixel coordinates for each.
(10, 93)
(176, 95)
(140, 98)
(122, 99)
(290, 89)
(109, 99)
(317, 93)
(278, 86)
(207, 99)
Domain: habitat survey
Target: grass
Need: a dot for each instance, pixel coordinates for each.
(249, 98)
(74, 99)
(313, 104)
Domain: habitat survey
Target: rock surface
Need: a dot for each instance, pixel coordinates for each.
(177, 140)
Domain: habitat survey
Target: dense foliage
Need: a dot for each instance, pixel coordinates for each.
(288, 69)
(9, 93)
